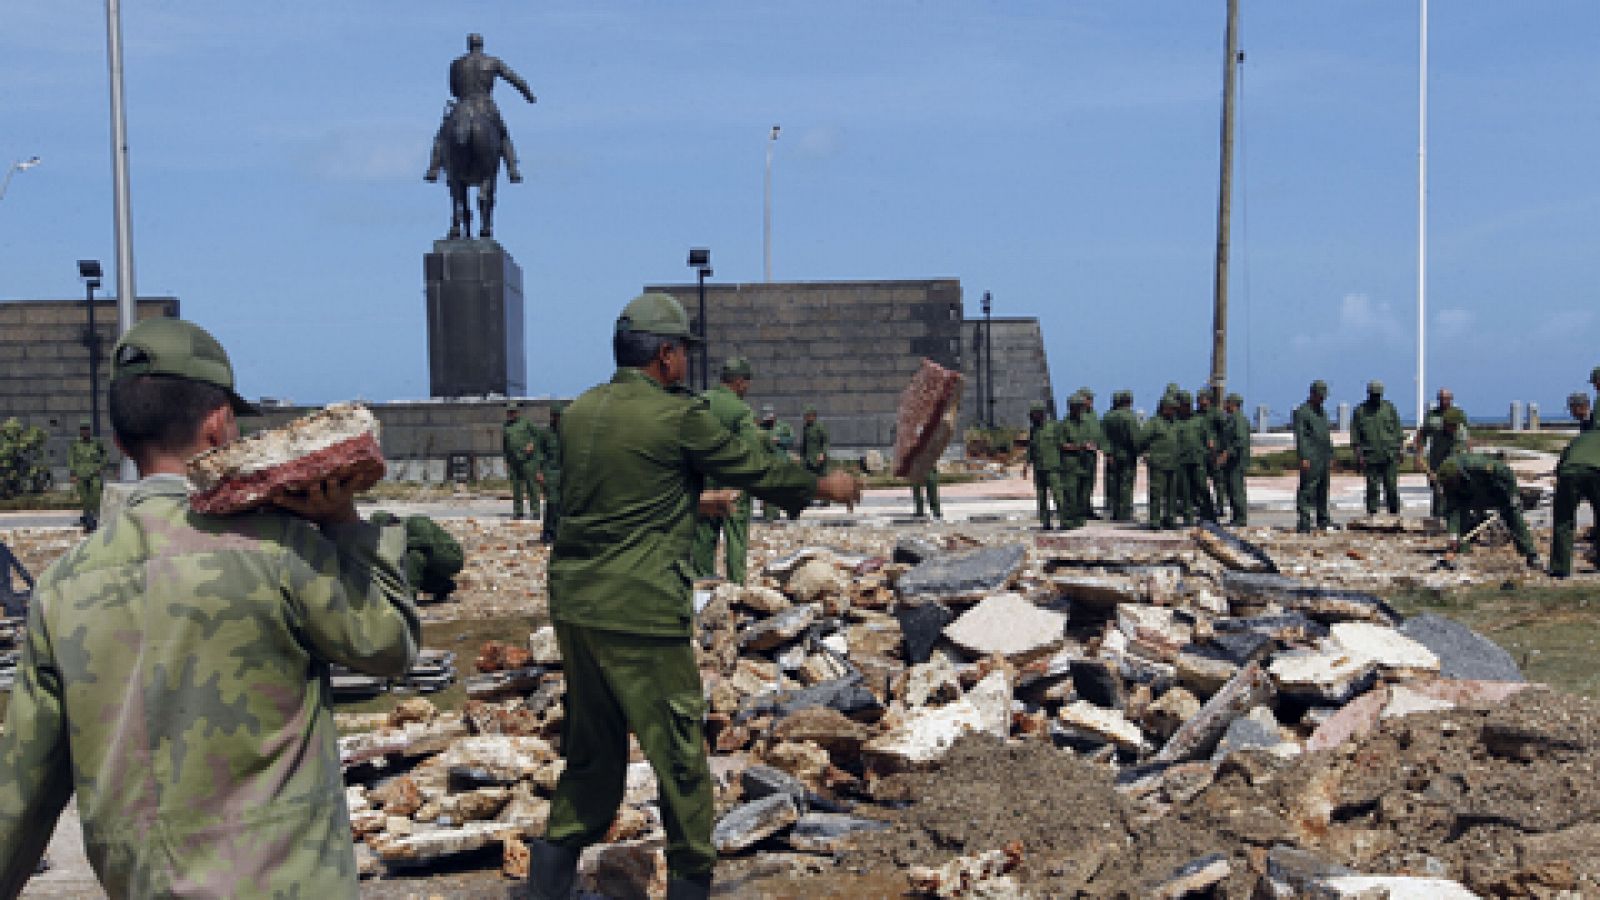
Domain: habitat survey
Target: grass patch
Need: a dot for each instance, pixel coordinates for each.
(1541, 441)
(1283, 462)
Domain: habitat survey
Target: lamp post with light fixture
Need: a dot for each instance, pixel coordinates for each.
(89, 270)
(700, 261)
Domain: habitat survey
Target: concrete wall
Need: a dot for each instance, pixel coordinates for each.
(44, 366)
(1021, 371)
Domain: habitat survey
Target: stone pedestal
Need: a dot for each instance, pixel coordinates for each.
(475, 344)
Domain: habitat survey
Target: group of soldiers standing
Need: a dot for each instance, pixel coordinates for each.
(1195, 453)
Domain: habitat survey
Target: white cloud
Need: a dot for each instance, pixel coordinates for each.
(1452, 322)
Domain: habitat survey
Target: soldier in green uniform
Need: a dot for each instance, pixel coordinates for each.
(1207, 417)
(1077, 435)
(1120, 431)
(1086, 483)
(1440, 443)
(1313, 446)
(433, 557)
(726, 402)
(519, 442)
(1159, 445)
(1594, 381)
(1578, 408)
(1194, 492)
(175, 671)
(1475, 484)
(549, 477)
(779, 441)
(87, 462)
(1377, 436)
(1044, 458)
(1233, 460)
(924, 493)
(814, 443)
(635, 453)
(1217, 423)
(1577, 481)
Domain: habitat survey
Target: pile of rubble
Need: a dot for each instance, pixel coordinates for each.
(1166, 668)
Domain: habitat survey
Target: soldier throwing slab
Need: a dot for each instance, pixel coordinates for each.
(87, 461)
(1376, 433)
(175, 674)
(635, 452)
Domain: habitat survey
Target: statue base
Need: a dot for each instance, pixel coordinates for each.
(475, 340)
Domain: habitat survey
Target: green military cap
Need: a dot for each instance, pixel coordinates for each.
(557, 407)
(1077, 398)
(1035, 406)
(1454, 416)
(1319, 387)
(513, 407)
(1374, 387)
(767, 410)
(1182, 397)
(737, 367)
(656, 313)
(1120, 396)
(1235, 398)
(1578, 399)
(1449, 469)
(163, 346)
(1088, 393)
(811, 410)
(84, 423)
(1594, 376)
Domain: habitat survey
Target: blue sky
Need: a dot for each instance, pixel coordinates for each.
(1060, 154)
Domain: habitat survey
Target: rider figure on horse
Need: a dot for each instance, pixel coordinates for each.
(472, 78)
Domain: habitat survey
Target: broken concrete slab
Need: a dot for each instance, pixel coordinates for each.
(1330, 675)
(820, 832)
(1167, 713)
(1195, 877)
(1257, 729)
(1392, 651)
(975, 572)
(825, 727)
(847, 695)
(779, 629)
(921, 624)
(912, 550)
(1105, 724)
(496, 759)
(923, 736)
(543, 650)
(1006, 625)
(1204, 670)
(925, 420)
(752, 822)
(635, 870)
(783, 566)
(1199, 736)
(991, 697)
(1097, 591)
(1287, 628)
(763, 600)
(1324, 604)
(1233, 551)
(1295, 870)
(433, 846)
(1389, 887)
(815, 579)
(1462, 652)
(1119, 548)
(760, 781)
(1098, 681)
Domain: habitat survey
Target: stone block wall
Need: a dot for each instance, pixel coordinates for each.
(44, 366)
(1021, 371)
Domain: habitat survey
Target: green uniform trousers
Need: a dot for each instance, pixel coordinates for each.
(1047, 485)
(523, 483)
(552, 504)
(617, 683)
(1571, 490)
(1165, 495)
(1233, 494)
(1086, 489)
(1073, 512)
(90, 487)
(703, 552)
(930, 487)
(1220, 488)
(1384, 477)
(1200, 503)
(1311, 498)
(1119, 488)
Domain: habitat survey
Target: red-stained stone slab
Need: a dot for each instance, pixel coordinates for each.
(340, 441)
(926, 420)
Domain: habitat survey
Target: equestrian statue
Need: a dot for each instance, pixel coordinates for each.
(473, 139)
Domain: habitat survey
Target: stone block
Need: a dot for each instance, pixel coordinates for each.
(1199, 735)
(752, 822)
(821, 832)
(984, 570)
(627, 870)
(1106, 724)
(1390, 650)
(339, 441)
(1462, 652)
(1007, 625)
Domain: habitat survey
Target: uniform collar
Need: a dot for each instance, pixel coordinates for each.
(631, 375)
(158, 486)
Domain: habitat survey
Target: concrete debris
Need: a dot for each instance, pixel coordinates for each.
(820, 832)
(925, 420)
(981, 875)
(434, 846)
(754, 821)
(1462, 652)
(1329, 675)
(1105, 724)
(1006, 625)
(913, 549)
(1387, 887)
(1199, 735)
(635, 870)
(543, 650)
(1196, 877)
(778, 630)
(973, 574)
(1391, 651)
(815, 579)
(1233, 551)
(921, 624)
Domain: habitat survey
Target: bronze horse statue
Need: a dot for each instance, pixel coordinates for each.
(473, 139)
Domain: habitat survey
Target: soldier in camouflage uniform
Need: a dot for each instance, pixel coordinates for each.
(550, 472)
(1233, 460)
(924, 493)
(433, 557)
(1313, 446)
(519, 444)
(175, 674)
(636, 451)
(1044, 458)
(726, 402)
(1120, 432)
(87, 462)
(1475, 484)
(1441, 442)
(1377, 437)
(1159, 446)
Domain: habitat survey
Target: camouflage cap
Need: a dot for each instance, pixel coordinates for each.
(1319, 387)
(1077, 399)
(656, 313)
(513, 407)
(1235, 399)
(810, 410)
(163, 346)
(736, 367)
(1454, 416)
(1374, 387)
(1578, 399)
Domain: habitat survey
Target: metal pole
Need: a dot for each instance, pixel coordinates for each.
(1422, 219)
(766, 210)
(91, 341)
(704, 350)
(1219, 312)
(988, 355)
(126, 312)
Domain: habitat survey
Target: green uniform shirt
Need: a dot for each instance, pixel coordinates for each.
(87, 457)
(432, 555)
(175, 677)
(1376, 432)
(813, 440)
(1044, 446)
(1192, 440)
(1238, 437)
(549, 446)
(1160, 442)
(1582, 455)
(1439, 443)
(1485, 483)
(1077, 430)
(515, 439)
(635, 456)
(1120, 431)
(735, 415)
(1312, 440)
(783, 437)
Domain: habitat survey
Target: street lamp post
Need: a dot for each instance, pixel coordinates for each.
(700, 261)
(89, 270)
(766, 210)
(21, 165)
(988, 356)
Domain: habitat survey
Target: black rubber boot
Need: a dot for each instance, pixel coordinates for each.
(552, 872)
(697, 887)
